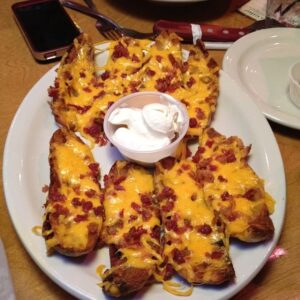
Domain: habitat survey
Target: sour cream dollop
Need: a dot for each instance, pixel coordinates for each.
(149, 128)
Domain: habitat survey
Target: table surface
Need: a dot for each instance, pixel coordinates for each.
(279, 279)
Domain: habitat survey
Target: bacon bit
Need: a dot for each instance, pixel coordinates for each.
(194, 196)
(60, 210)
(185, 167)
(228, 156)
(203, 176)
(94, 130)
(171, 224)
(134, 235)
(204, 163)
(87, 206)
(45, 188)
(80, 218)
(112, 230)
(173, 61)
(87, 89)
(150, 72)
(82, 74)
(136, 207)
(98, 211)
(222, 179)
(226, 196)
(191, 82)
(76, 202)
(94, 167)
(90, 193)
(253, 194)
(197, 155)
(185, 103)
(54, 195)
(179, 255)
(209, 143)
(134, 86)
(169, 205)
(167, 193)
(121, 213)
(118, 180)
(67, 75)
(211, 100)
(99, 95)
(169, 272)
(53, 92)
(105, 75)
(233, 216)
(216, 254)
(120, 51)
(193, 123)
(132, 218)
(135, 58)
(106, 179)
(80, 109)
(158, 58)
(212, 63)
(204, 229)
(146, 215)
(200, 115)
(119, 188)
(146, 200)
(212, 167)
(168, 163)
(155, 233)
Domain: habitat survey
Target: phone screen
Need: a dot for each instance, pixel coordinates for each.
(46, 24)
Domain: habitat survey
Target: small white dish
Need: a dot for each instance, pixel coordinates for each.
(294, 86)
(259, 62)
(139, 100)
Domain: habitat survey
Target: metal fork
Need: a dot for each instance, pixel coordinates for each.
(108, 27)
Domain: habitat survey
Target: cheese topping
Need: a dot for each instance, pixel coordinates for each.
(191, 233)
(74, 204)
(235, 190)
(131, 215)
(81, 97)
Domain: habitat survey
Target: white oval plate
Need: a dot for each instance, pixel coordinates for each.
(26, 171)
(259, 62)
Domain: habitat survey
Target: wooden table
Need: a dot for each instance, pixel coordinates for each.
(279, 279)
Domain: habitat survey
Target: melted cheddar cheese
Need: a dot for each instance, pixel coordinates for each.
(233, 188)
(192, 235)
(73, 208)
(131, 218)
(83, 91)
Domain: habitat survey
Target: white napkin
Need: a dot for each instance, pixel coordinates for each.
(6, 287)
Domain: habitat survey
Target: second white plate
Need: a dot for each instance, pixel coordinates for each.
(259, 63)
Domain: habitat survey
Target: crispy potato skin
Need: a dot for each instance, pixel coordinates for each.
(127, 276)
(51, 224)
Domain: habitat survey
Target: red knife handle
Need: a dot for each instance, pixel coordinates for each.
(210, 33)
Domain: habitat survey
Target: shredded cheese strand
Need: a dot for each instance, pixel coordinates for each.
(37, 230)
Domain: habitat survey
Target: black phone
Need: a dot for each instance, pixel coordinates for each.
(46, 27)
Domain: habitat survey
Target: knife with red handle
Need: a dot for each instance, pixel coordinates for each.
(210, 32)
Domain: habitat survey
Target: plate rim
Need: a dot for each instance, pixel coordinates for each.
(230, 62)
(76, 291)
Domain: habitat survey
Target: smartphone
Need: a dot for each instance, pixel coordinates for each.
(46, 27)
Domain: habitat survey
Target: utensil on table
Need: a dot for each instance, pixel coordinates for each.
(108, 27)
(210, 32)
